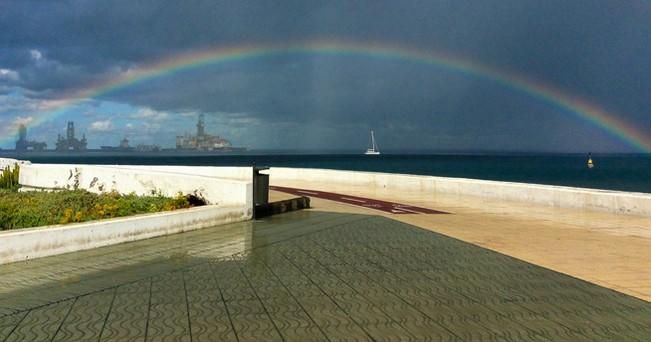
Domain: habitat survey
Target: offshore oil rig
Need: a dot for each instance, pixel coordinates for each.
(24, 145)
(202, 141)
(70, 142)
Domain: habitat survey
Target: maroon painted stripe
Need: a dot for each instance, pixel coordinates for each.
(390, 207)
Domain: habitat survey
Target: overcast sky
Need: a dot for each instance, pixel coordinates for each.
(597, 50)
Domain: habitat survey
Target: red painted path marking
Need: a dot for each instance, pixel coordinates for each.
(389, 207)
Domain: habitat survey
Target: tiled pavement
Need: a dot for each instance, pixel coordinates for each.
(307, 276)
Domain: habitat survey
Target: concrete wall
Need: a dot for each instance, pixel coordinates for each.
(555, 196)
(4, 162)
(229, 189)
(25, 244)
(225, 172)
(140, 180)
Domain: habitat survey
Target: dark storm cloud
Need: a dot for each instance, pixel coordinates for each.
(597, 50)
(308, 88)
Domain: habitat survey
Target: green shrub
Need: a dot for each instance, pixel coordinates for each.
(9, 177)
(31, 209)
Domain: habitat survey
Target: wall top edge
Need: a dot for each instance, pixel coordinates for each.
(479, 181)
(123, 169)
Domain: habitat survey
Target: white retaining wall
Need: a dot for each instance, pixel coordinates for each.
(143, 181)
(229, 190)
(225, 172)
(549, 195)
(25, 244)
(4, 162)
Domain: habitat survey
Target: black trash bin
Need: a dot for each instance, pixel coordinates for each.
(260, 186)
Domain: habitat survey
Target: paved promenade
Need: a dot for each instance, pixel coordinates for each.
(610, 250)
(307, 276)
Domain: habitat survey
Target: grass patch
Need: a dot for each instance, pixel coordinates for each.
(32, 209)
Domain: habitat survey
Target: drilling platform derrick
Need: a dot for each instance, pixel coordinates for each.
(202, 141)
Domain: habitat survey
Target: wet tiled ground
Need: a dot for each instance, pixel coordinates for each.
(307, 276)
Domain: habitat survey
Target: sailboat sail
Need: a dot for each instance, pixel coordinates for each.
(374, 149)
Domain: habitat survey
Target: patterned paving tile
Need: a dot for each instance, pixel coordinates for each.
(307, 276)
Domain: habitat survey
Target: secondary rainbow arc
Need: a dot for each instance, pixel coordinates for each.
(583, 109)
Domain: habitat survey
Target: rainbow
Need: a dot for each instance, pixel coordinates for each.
(591, 113)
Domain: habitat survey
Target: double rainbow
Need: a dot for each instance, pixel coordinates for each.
(591, 113)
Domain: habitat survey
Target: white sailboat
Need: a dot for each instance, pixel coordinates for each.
(374, 151)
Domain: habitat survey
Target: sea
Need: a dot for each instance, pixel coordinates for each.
(625, 172)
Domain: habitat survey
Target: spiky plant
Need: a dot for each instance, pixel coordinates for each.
(9, 177)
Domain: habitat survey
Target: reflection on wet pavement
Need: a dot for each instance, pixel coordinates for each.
(306, 276)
